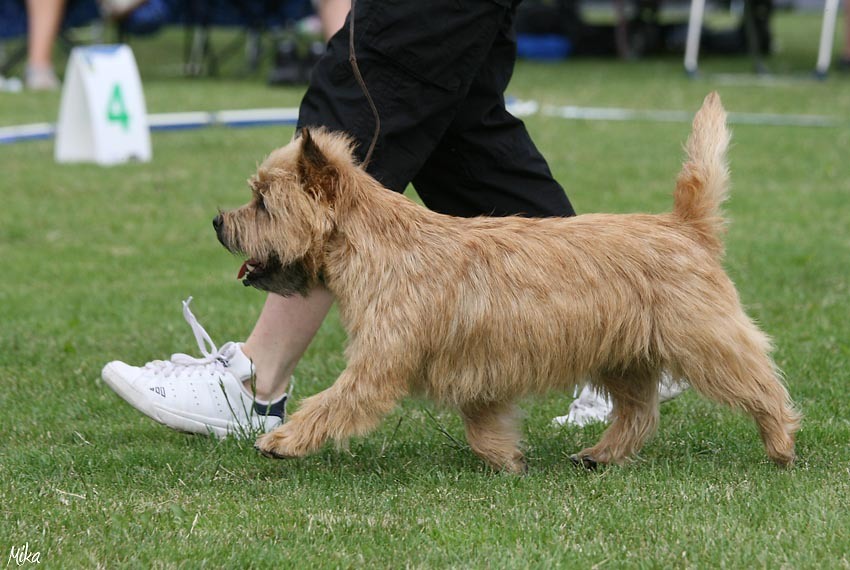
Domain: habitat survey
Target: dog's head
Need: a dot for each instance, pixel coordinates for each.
(284, 228)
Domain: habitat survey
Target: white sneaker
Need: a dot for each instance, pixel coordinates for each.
(198, 395)
(670, 388)
(591, 406)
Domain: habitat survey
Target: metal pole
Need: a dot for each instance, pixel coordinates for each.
(694, 31)
(827, 36)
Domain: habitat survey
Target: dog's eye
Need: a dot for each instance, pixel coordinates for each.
(261, 202)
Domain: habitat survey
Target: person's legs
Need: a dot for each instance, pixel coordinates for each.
(418, 61)
(486, 163)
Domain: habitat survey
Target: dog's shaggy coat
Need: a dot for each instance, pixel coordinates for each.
(476, 313)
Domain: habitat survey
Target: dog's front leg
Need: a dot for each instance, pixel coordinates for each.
(493, 434)
(354, 405)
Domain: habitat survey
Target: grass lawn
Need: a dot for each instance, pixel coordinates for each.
(106, 255)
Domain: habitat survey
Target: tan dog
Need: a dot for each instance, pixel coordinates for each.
(476, 313)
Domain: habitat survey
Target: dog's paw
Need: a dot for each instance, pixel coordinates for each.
(517, 467)
(279, 444)
(585, 461)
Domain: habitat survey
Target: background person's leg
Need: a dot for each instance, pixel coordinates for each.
(43, 20)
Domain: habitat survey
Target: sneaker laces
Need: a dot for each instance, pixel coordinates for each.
(214, 359)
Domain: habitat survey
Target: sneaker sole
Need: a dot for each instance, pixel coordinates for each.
(177, 419)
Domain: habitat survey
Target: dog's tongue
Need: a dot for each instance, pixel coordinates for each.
(243, 270)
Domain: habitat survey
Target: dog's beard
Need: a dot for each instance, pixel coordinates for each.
(274, 277)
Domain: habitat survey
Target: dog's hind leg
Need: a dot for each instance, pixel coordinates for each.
(634, 418)
(728, 362)
(493, 434)
(354, 405)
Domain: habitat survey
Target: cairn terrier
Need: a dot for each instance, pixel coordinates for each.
(476, 313)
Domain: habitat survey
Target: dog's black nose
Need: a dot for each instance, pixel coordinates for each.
(217, 221)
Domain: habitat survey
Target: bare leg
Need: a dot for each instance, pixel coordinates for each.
(493, 434)
(43, 17)
(281, 335)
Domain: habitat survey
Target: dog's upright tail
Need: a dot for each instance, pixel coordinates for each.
(703, 183)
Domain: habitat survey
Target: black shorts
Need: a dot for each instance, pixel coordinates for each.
(437, 70)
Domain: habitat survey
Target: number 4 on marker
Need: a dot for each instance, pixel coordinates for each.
(116, 110)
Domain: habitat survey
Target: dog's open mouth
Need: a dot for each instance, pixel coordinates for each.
(273, 276)
(254, 270)
(250, 266)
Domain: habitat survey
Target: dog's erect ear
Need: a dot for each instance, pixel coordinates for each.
(312, 157)
(315, 170)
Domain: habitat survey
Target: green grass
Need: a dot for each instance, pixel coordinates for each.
(97, 260)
